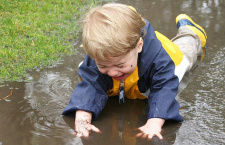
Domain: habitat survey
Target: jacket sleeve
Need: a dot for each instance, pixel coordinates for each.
(163, 88)
(89, 95)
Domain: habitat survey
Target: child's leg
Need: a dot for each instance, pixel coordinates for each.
(189, 43)
(190, 38)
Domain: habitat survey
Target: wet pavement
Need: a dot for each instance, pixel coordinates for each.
(32, 114)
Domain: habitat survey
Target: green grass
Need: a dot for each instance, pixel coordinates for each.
(35, 33)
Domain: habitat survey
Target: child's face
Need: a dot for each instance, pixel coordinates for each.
(122, 66)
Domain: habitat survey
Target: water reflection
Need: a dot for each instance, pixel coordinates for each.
(118, 124)
(32, 115)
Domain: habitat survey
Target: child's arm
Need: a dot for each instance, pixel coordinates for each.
(89, 94)
(83, 124)
(152, 128)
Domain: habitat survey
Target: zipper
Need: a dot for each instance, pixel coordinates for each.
(121, 93)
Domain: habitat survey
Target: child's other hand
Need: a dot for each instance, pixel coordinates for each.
(151, 128)
(83, 124)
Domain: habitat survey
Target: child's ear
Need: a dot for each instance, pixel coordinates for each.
(140, 44)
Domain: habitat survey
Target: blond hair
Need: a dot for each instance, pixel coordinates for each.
(111, 30)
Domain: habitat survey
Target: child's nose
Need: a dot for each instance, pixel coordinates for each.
(112, 73)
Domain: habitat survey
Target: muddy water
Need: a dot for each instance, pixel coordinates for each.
(32, 114)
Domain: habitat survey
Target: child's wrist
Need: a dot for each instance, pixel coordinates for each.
(83, 114)
(158, 121)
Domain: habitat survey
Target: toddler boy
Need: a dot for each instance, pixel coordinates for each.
(125, 54)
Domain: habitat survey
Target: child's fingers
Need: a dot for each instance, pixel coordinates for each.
(150, 136)
(95, 129)
(159, 136)
(86, 133)
(139, 135)
(78, 134)
(82, 131)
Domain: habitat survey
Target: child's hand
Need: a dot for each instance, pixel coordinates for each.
(151, 128)
(83, 124)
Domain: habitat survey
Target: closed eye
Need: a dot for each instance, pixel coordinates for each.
(120, 66)
(101, 66)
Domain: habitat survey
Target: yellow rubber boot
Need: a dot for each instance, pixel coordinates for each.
(185, 20)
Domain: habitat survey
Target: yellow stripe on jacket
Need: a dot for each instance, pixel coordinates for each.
(172, 49)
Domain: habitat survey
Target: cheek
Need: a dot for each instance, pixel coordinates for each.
(129, 69)
(132, 67)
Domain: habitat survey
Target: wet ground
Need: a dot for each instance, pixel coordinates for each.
(32, 114)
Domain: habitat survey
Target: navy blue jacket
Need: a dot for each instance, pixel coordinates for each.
(155, 70)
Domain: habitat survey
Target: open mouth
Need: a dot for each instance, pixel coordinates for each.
(120, 77)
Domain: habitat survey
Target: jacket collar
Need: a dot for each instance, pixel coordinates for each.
(150, 49)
